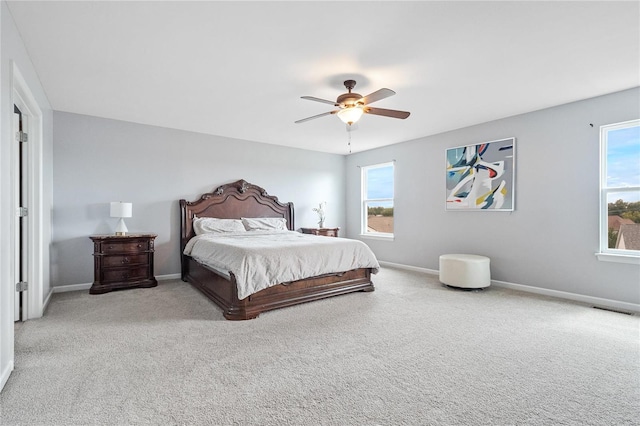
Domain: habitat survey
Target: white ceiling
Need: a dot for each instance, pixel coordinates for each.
(238, 69)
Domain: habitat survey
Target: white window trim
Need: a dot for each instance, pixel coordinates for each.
(363, 200)
(378, 236)
(618, 258)
(607, 254)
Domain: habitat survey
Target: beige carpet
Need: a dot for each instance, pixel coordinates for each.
(413, 352)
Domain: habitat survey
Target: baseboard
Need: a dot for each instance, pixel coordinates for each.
(47, 300)
(168, 277)
(5, 374)
(87, 286)
(595, 301)
(408, 267)
(71, 287)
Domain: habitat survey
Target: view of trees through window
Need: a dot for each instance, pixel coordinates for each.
(381, 211)
(622, 213)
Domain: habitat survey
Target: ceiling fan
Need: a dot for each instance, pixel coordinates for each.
(353, 105)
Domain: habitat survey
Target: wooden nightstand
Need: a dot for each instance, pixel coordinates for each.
(122, 262)
(327, 232)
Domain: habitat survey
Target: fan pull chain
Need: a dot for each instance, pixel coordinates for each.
(349, 133)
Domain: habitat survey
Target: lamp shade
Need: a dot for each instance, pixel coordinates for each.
(350, 115)
(120, 209)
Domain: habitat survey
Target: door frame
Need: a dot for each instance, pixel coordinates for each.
(22, 97)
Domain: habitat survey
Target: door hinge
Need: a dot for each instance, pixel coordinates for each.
(22, 286)
(23, 211)
(22, 137)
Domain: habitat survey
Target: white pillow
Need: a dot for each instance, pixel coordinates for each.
(212, 225)
(265, 223)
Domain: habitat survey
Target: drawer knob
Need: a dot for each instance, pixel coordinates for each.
(125, 260)
(139, 245)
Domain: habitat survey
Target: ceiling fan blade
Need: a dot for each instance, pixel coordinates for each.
(316, 116)
(387, 112)
(324, 101)
(376, 96)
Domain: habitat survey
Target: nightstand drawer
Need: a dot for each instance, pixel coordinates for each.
(326, 232)
(124, 260)
(124, 247)
(129, 274)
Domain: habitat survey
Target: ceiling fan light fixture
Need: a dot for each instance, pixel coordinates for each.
(352, 105)
(350, 115)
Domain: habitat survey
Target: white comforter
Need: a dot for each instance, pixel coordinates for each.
(260, 259)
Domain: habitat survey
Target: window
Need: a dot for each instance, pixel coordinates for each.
(620, 192)
(377, 200)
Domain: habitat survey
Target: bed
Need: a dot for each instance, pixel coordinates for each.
(238, 200)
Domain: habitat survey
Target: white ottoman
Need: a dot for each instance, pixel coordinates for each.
(465, 270)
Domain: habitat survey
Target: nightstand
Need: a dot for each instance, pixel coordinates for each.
(122, 261)
(327, 232)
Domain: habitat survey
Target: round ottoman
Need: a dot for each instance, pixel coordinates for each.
(465, 270)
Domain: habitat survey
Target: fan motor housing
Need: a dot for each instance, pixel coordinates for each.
(348, 99)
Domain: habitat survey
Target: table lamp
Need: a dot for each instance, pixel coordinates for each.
(121, 210)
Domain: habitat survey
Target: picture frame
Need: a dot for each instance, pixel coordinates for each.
(481, 176)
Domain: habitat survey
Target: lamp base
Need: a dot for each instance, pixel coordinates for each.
(121, 228)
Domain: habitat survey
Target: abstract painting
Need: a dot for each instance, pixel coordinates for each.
(480, 176)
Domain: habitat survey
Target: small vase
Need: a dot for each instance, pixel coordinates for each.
(321, 224)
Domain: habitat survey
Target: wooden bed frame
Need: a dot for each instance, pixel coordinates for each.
(242, 199)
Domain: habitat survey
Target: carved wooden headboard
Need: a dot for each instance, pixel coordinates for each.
(232, 201)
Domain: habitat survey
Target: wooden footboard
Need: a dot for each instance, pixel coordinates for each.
(224, 292)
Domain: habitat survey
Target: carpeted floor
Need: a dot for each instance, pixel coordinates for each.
(413, 352)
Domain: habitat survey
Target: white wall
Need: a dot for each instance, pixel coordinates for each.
(550, 239)
(12, 51)
(99, 160)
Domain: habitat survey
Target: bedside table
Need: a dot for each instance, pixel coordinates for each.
(327, 232)
(122, 261)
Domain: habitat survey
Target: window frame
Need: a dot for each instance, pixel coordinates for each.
(364, 170)
(605, 253)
